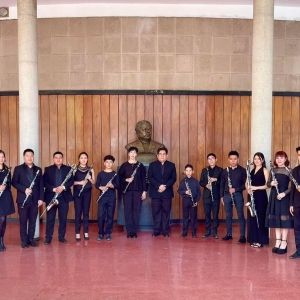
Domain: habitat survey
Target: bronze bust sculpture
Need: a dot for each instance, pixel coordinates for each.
(147, 147)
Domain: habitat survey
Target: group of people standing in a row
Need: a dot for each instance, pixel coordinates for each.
(281, 212)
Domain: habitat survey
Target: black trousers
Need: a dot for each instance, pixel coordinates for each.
(28, 214)
(132, 205)
(106, 211)
(189, 212)
(82, 207)
(297, 227)
(63, 209)
(211, 207)
(161, 209)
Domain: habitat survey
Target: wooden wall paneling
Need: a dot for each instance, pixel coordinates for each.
(149, 109)
(277, 123)
(4, 125)
(294, 131)
(105, 125)
(245, 134)
(123, 129)
(286, 125)
(79, 142)
(183, 138)
(158, 115)
(96, 146)
(132, 120)
(209, 124)
(174, 148)
(201, 141)
(53, 128)
(236, 125)
(12, 153)
(166, 123)
(62, 125)
(140, 107)
(45, 140)
(87, 124)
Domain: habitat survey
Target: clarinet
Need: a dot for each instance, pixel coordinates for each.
(292, 177)
(5, 180)
(103, 192)
(273, 176)
(132, 176)
(30, 187)
(210, 183)
(86, 180)
(54, 200)
(191, 195)
(251, 204)
(230, 185)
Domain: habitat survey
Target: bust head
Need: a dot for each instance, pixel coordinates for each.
(143, 130)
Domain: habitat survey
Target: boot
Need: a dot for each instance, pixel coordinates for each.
(1, 244)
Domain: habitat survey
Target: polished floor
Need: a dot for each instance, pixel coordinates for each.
(146, 268)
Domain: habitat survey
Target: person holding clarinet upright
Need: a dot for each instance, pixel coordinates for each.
(133, 185)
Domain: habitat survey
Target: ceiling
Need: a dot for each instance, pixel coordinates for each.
(289, 3)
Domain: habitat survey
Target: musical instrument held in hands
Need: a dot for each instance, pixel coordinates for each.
(4, 182)
(30, 187)
(103, 192)
(209, 182)
(132, 176)
(230, 185)
(86, 180)
(292, 177)
(191, 195)
(273, 176)
(54, 200)
(251, 205)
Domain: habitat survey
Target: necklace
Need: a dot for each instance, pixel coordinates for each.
(82, 169)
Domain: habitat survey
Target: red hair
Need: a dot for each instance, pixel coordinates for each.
(281, 154)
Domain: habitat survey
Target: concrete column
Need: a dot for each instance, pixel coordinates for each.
(262, 77)
(28, 81)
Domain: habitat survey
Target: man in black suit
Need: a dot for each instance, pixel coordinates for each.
(162, 176)
(33, 193)
(295, 206)
(54, 175)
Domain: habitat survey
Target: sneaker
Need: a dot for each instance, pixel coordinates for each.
(108, 237)
(227, 238)
(215, 235)
(242, 240)
(100, 237)
(206, 234)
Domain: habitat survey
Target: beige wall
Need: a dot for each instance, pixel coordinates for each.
(150, 53)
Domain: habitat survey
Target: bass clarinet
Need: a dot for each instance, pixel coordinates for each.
(132, 176)
(30, 187)
(210, 183)
(86, 180)
(292, 177)
(230, 185)
(4, 182)
(251, 204)
(273, 176)
(103, 192)
(54, 200)
(191, 195)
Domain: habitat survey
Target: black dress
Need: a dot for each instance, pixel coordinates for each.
(6, 199)
(258, 234)
(278, 211)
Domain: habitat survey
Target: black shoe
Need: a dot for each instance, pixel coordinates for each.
(100, 237)
(47, 241)
(194, 235)
(2, 247)
(86, 237)
(32, 243)
(275, 249)
(206, 234)
(227, 238)
(24, 245)
(215, 235)
(183, 235)
(155, 234)
(295, 255)
(108, 237)
(166, 235)
(62, 240)
(78, 239)
(242, 240)
(134, 235)
(282, 251)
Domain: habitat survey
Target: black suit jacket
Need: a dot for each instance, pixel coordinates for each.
(21, 182)
(156, 179)
(49, 183)
(295, 195)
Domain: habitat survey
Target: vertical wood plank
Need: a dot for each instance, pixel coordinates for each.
(140, 107)
(53, 127)
(62, 125)
(294, 131)
(277, 137)
(122, 129)
(209, 124)
(157, 123)
(166, 123)
(79, 143)
(149, 108)
(131, 117)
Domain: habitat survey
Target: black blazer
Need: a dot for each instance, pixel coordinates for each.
(21, 182)
(49, 183)
(215, 185)
(295, 195)
(156, 179)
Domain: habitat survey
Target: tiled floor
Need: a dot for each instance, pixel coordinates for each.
(145, 268)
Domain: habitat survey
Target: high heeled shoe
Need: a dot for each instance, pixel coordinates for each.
(78, 239)
(275, 249)
(282, 251)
